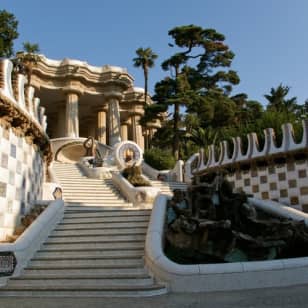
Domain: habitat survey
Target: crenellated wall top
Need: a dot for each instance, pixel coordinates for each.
(216, 156)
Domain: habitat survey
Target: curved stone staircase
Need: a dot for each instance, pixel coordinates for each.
(96, 250)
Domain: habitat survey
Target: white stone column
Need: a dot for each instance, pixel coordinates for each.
(124, 131)
(92, 128)
(137, 131)
(61, 128)
(114, 118)
(72, 120)
(101, 126)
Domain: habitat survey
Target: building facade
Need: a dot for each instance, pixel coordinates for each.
(81, 100)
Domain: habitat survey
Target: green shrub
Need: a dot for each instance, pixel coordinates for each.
(159, 159)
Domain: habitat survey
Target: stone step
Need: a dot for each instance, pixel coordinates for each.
(106, 245)
(83, 179)
(90, 191)
(82, 220)
(44, 254)
(98, 197)
(80, 283)
(87, 291)
(101, 225)
(109, 214)
(84, 263)
(75, 207)
(93, 233)
(129, 271)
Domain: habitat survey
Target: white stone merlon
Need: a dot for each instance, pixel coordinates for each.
(7, 89)
(30, 98)
(21, 80)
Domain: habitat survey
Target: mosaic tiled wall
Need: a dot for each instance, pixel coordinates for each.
(24, 148)
(21, 176)
(286, 183)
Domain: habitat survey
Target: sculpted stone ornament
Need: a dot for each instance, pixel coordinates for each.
(211, 224)
(90, 146)
(128, 154)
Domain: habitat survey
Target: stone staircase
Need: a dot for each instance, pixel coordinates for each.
(168, 187)
(80, 191)
(96, 250)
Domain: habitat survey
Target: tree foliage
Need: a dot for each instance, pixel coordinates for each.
(26, 59)
(145, 59)
(8, 33)
(200, 78)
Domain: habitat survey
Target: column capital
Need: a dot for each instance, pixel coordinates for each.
(71, 90)
(100, 108)
(126, 122)
(113, 94)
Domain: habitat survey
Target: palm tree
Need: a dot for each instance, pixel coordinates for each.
(145, 59)
(278, 102)
(27, 59)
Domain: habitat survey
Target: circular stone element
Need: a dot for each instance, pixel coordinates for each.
(128, 153)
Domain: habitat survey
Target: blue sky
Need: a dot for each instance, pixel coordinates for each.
(269, 37)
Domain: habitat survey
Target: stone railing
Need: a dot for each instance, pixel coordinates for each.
(24, 148)
(272, 172)
(172, 175)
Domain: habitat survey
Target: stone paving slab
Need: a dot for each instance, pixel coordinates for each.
(288, 297)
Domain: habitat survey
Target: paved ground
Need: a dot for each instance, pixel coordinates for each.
(291, 297)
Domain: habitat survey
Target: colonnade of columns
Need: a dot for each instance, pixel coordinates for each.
(105, 124)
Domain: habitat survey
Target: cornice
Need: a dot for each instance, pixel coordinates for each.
(67, 69)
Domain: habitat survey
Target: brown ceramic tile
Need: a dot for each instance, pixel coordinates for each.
(238, 175)
(273, 186)
(282, 176)
(2, 189)
(246, 182)
(291, 166)
(304, 190)
(271, 170)
(294, 200)
(4, 160)
(305, 208)
(302, 173)
(265, 195)
(255, 188)
(292, 183)
(283, 193)
(263, 179)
